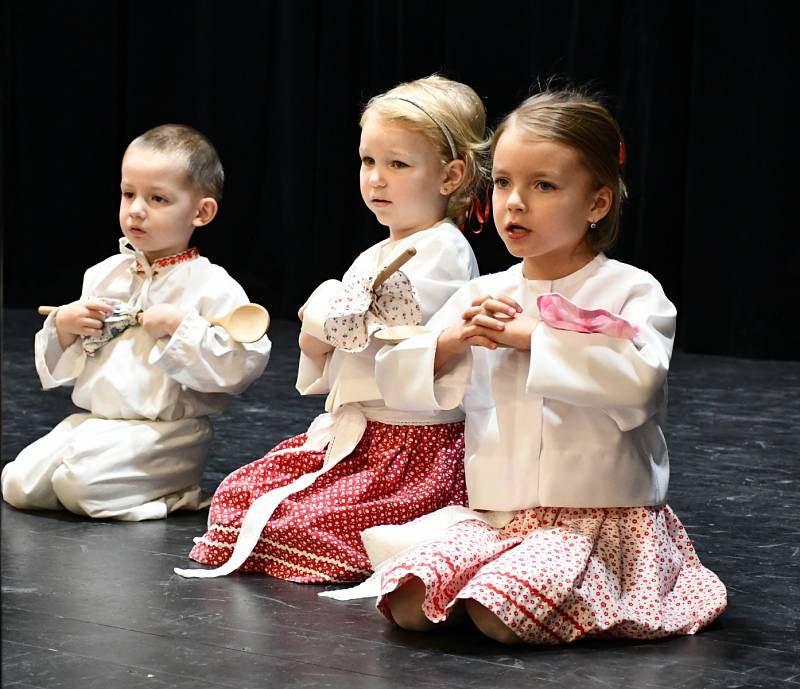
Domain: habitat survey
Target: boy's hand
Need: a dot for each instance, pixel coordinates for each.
(161, 320)
(84, 318)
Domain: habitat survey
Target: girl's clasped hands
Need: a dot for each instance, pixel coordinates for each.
(490, 322)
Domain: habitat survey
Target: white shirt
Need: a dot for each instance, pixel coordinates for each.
(193, 373)
(576, 421)
(444, 262)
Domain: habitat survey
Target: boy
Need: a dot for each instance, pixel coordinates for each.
(140, 451)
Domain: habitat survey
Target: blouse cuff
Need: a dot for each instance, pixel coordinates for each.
(590, 369)
(54, 365)
(180, 350)
(451, 380)
(316, 308)
(311, 379)
(405, 376)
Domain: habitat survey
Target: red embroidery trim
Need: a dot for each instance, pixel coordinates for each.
(188, 255)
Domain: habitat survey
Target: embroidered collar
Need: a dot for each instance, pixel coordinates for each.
(142, 265)
(161, 263)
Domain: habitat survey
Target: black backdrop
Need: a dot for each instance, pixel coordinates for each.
(700, 90)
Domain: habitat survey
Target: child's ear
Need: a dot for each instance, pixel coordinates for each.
(603, 198)
(454, 173)
(206, 210)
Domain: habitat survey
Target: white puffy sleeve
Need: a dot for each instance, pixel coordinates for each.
(54, 365)
(444, 262)
(404, 372)
(312, 379)
(624, 378)
(206, 358)
(439, 271)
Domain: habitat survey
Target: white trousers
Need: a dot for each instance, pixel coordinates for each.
(112, 468)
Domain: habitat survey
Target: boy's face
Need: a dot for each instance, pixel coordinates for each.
(159, 209)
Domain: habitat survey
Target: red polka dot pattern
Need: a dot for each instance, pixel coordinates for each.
(395, 474)
(554, 575)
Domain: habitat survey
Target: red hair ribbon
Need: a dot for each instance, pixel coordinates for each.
(622, 153)
(478, 211)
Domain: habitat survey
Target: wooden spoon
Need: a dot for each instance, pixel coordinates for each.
(393, 266)
(246, 323)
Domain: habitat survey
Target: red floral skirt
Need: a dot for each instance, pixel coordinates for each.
(554, 575)
(395, 474)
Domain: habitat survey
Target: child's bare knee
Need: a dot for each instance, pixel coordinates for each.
(405, 604)
(490, 624)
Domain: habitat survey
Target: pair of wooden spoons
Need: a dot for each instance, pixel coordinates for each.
(246, 323)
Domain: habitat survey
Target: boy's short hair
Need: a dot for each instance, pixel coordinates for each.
(202, 161)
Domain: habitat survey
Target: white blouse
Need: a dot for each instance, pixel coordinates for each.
(575, 422)
(444, 262)
(193, 373)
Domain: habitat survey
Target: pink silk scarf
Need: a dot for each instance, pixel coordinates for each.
(560, 313)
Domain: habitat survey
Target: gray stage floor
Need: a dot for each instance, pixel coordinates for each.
(95, 604)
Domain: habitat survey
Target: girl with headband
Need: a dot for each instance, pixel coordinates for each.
(297, 513)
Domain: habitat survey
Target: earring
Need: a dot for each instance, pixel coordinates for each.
(593, 226)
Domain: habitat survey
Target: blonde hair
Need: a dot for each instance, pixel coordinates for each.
(202, 161)
(435, 107)
(581, 122)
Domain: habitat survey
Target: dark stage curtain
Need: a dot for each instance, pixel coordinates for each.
(699, 88)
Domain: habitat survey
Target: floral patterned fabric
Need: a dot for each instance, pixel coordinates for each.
(359, 312)
(555, 575)
(122, 317)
